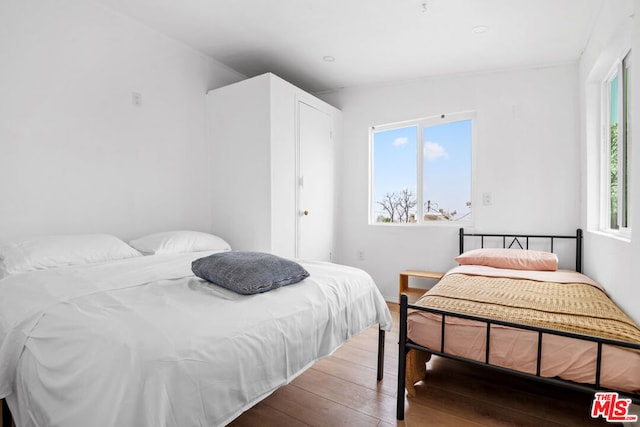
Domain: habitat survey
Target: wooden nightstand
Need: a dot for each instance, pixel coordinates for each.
(404, 281)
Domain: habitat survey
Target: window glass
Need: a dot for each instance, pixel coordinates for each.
(421, 170)
(394, 177)
(613, 153)
(447, 171)
(627, 142)
(617, 147)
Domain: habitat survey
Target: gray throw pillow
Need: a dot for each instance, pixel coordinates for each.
(248, 272)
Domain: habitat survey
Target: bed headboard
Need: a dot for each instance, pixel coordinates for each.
(522, 241)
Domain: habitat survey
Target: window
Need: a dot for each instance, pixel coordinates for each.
(616, 149)
(421, 170)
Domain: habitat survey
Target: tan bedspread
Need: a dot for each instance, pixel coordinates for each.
(555, 301)
(572, 307)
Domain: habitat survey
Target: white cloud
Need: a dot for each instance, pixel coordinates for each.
(433, 151)
(400, 141)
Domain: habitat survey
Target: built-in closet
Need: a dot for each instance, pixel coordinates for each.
(272, 166)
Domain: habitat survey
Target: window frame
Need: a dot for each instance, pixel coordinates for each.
(624, 147)
(420, 124)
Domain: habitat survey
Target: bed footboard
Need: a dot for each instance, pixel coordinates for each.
(405, 345)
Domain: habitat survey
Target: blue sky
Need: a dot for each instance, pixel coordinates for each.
(447, 163)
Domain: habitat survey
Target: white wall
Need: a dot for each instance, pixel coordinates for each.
(75, 154)
(527, 155)
(611, 261)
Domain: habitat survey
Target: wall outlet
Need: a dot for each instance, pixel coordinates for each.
(487, 199)
(136, 99)
(361, 255)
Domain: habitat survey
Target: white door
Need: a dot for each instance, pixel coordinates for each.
(315, 184)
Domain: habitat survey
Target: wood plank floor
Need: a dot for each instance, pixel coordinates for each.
(342, 390)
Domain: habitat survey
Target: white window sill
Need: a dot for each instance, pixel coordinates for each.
(453, 224)
(623, 237)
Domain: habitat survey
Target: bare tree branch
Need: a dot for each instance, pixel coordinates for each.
(389, 205)
(406, 201)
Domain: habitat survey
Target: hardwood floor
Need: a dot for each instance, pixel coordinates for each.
(342, 390)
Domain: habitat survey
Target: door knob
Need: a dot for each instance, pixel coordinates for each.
(305, 213)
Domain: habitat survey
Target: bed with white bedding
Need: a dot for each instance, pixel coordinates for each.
(141, 341)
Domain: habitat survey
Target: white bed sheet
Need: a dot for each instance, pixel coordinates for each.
(142, 342)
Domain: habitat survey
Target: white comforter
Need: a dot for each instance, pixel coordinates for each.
(142, 342)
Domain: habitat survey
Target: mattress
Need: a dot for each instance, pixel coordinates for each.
(588, 312)
(142, 342)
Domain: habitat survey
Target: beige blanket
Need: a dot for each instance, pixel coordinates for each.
(572, 307)
(556, 300)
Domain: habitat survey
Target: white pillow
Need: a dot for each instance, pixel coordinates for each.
(173, 242)
(39, 253)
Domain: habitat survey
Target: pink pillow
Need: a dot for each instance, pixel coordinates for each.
(513, 259)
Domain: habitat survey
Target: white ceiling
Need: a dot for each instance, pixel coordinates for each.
(372, 41)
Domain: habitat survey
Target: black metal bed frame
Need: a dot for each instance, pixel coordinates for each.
(380, 371)
(6, 414)
(405, 345)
